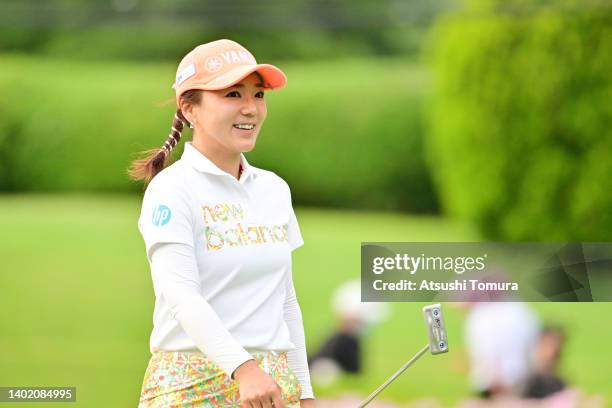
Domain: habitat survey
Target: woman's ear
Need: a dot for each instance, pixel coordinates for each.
(187, 111)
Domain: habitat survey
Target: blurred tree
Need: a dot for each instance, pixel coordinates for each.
(156, 29)
(521, 134)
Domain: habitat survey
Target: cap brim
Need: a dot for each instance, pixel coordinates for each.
(273, 77)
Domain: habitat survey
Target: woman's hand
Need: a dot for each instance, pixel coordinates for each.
(307, 403)
(256, 388)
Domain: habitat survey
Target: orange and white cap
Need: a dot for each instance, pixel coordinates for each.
(219, 65)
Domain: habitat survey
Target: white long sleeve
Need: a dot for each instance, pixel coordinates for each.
(297, 358)
(175, 276)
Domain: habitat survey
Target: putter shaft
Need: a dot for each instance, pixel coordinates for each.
(394, 376)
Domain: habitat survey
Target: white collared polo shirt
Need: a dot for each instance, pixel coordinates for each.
(242, 232)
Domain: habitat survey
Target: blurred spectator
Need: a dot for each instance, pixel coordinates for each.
(342, 351)
(545, 381)
(500, 339)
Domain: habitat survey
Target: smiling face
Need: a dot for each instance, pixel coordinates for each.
(228, 121)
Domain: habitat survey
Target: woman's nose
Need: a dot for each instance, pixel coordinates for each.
(249, 107)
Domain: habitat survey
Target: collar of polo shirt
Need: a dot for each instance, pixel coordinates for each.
(204, 165)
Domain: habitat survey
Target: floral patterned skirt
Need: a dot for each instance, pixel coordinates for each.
(178, 379)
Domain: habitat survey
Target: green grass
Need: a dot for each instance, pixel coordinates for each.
(77, 302)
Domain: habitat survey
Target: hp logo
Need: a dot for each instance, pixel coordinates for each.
(161, 215)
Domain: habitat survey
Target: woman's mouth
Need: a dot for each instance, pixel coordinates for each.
(245, 126)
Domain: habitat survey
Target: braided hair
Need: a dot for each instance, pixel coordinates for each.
(155, 160)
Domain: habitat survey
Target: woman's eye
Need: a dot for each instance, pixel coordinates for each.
(233, 94)
(259, 94)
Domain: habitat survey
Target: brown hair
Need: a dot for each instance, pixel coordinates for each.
(154, 160)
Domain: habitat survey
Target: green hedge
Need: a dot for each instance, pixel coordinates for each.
(521, 126)
(343, 134)
(158, 42)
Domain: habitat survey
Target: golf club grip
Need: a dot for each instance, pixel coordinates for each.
(394, 376)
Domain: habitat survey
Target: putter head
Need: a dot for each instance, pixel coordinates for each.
(438, 341)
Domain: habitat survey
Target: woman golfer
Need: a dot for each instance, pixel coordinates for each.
(227, 327)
